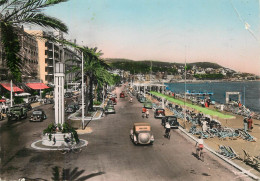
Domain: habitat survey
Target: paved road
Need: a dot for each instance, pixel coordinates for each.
(110, 155)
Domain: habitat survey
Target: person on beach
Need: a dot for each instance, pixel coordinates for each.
(245, 124)
(250, 123)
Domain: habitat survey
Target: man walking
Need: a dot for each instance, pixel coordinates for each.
(245, 124)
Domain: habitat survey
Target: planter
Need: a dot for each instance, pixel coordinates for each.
(57, 139)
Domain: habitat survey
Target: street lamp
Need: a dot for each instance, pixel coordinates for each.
(82, 89)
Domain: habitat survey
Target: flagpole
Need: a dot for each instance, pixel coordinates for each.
(185, 67)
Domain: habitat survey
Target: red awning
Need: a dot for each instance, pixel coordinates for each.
(8, 87)
(2, 100)
(37, 86)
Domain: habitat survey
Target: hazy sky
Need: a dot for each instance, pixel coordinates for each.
(168, 30)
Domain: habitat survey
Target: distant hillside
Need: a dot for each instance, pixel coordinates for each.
(206, 65)
(144, 66)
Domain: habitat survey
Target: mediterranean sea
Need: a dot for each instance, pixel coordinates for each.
(250, 91)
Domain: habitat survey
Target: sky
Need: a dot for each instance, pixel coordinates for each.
(220, 31)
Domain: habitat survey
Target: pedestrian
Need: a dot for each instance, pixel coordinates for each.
(245, 124)
(204, 126)
(250, 123)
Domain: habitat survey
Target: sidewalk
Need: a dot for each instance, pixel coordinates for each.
(75, 120)
(253, 148)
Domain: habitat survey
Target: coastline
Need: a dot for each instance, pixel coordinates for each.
(209, 81)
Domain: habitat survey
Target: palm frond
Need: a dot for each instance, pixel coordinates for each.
(51, 3)
(46, 21)
(2, 2)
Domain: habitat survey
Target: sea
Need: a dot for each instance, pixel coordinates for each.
(250, 91)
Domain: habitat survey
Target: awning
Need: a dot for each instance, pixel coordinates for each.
(8, 87)
(37, 86)
(2, 100)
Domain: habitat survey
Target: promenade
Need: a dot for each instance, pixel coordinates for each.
(238, 145)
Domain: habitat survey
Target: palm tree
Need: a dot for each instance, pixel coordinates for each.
(14, 13)
(95, 71)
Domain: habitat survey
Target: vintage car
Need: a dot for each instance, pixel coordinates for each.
(71, 108)
(113, 99)
(148, 105)
(110, 109)
(159, 113)
(68, 94)
(172, 120)
(141, 134)
(110, 102)
(122, 95)
(38, 115)
(48, 101)
(142, 99)
(16, 113)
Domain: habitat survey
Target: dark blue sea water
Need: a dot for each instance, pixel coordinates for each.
(250, 91)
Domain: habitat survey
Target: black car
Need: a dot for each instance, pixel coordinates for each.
(110, 109)
(110, 102)
(68, 94)
(159, 113)
(17, 113)
(71, 108)
(38, 115)
(172, 120)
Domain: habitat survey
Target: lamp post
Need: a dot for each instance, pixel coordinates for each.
(82, 89)
(59, 92)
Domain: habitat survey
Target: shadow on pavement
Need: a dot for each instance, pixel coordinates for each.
(68, 174)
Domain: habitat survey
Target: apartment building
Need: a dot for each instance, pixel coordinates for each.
(29, 57)
(51, 53)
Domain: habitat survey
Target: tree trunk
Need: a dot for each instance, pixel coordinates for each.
(91, 92)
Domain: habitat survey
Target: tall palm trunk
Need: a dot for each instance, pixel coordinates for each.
(91, 81)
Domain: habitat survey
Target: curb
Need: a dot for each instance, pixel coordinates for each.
(222, 157)
(72, 116)
(33, 145)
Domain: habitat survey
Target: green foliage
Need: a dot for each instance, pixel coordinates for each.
(18, 100)
(45, 91)
(143, 67)
(50, 129)
(116, 78)
(68, 129)
(96, 102)
(196, 107)
(65, 128)
(7, 95)
(209, 76)
(206, 65)
(11, 48)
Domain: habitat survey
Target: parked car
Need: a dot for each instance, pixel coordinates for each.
(71, 108)
(110, 102)
(68, 94)
(172, 120)
(113, 99)
(110, 109)
(142, 99)
(148, 105)
(38, 115)
(48, 101)
(159, 113)
(141, 133)
(16, 113)
(122, 95)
